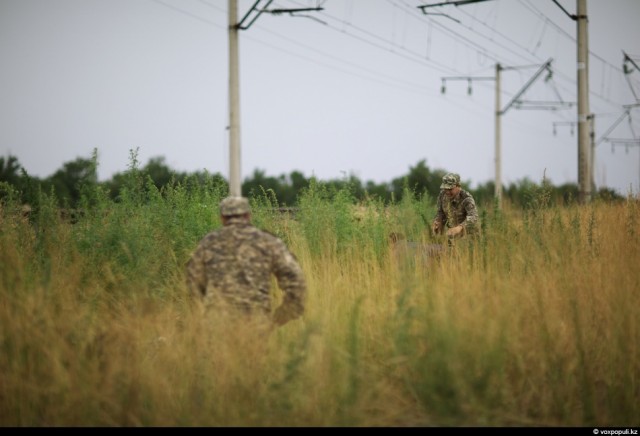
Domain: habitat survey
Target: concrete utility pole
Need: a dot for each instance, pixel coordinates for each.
(584, 137)
(234, 103)
(235, 185)
(585, 142)
(586, 122)
(498, 141)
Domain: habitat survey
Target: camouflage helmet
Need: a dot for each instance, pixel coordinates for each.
(450, 181)
(234, 206)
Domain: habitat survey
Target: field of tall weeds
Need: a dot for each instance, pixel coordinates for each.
(534, 324)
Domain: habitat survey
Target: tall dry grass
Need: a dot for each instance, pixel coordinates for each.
(534, 325)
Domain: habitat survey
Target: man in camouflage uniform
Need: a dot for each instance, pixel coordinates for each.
(230, 270)
(456, 213)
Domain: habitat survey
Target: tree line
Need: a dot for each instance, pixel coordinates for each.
(76, 177)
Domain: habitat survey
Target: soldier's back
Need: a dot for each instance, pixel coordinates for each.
(239, 259)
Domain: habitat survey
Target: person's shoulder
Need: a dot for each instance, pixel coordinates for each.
(268, 236)
(217, 235)
(466, 194)
(213, 235)
(270, 241)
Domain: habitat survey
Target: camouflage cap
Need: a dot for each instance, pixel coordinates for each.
(234, 206)
(450, 180)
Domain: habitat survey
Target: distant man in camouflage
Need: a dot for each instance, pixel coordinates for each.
(456, 213)
(230, 270)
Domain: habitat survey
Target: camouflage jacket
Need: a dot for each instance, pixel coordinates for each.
(460, 210)
(232, 266)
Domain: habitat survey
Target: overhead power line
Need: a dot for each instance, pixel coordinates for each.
(584, 116)
(625, 114)
(374, 39)
(254, 12)
(536, 11)
(500, 111)
(450, 3)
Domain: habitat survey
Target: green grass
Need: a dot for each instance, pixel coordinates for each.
(535, 325)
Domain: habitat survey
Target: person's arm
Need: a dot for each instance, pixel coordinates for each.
(292, 282)
(470, 208)
(440, 219)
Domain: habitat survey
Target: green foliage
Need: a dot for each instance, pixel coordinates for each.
(374, 227)
(68, 183)
(532, 328)
(9, 195)
(259, 184)
(316, 218)
(9, 170)
(538, 331)
(419, 181)
(148, 231)
(266, 213)
(414, 213)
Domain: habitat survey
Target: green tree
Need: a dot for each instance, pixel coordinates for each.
(69, 181)
(160, 172)
(259, 182)
(381, 192)
(10, 170)
(420, 180)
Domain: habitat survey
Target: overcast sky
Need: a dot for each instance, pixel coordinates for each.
(352, 89)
